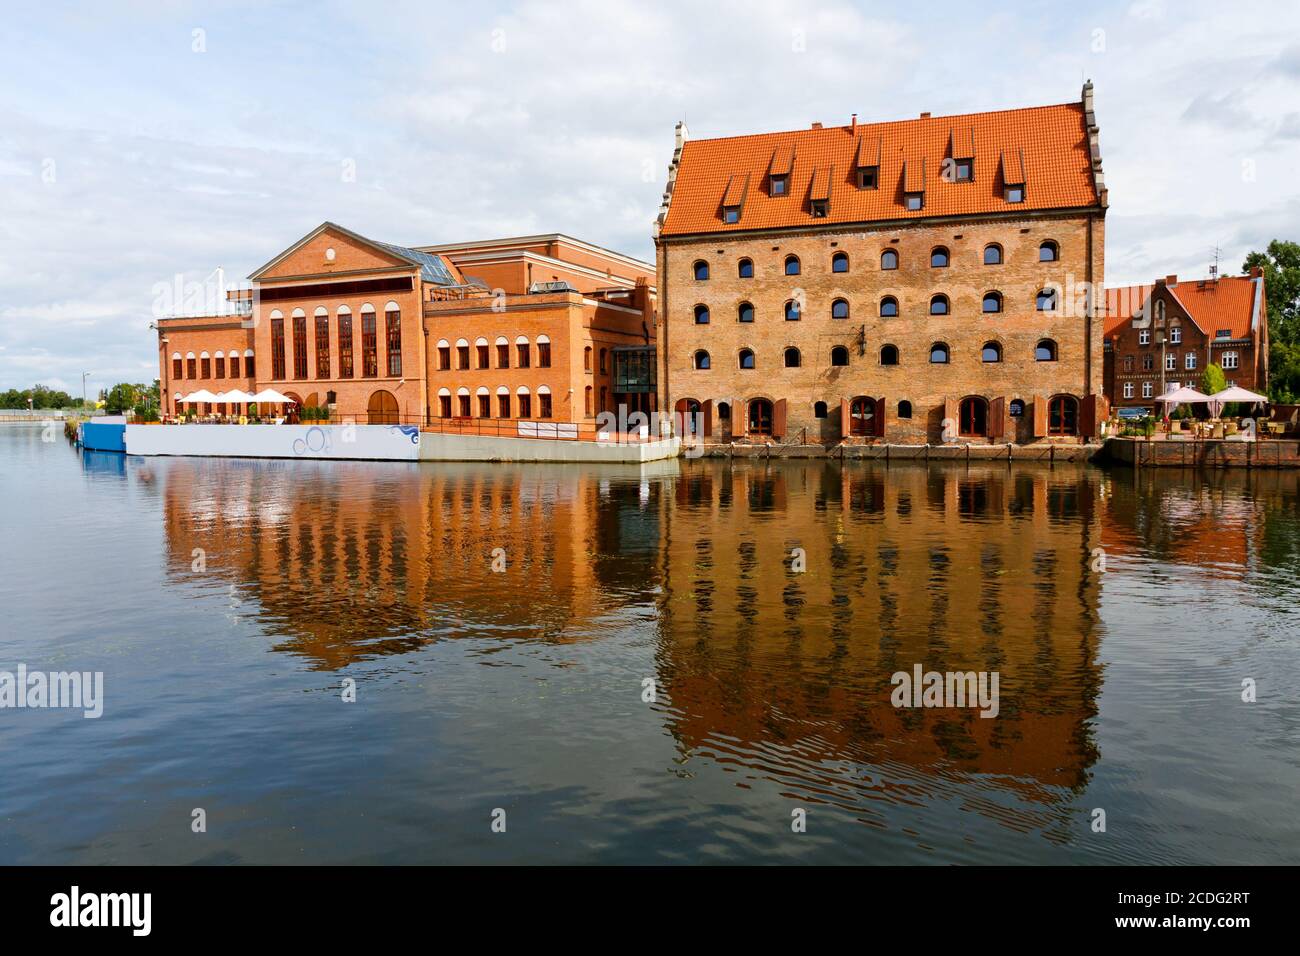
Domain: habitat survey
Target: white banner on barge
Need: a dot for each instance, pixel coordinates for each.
(364, 442)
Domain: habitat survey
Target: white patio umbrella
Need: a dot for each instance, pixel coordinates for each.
(1177, 396)
(269, 395)
(202, 395)
(235, 395)
(1234, 393)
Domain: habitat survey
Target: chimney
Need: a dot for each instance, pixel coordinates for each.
(1171, 280)
(925, 115)
(854, 125)
(816, 124)
(1256, 272)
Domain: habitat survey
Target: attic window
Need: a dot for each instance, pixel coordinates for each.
(731, 214)
(1015, 193)
(914, 200)
(780, 185)
(963, 170)
(820, 208)
(1223, 333)
(869, 177)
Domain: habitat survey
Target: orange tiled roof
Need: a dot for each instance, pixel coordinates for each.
(1053, 140)
(1228, 303)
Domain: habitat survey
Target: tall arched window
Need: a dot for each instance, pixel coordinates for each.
(586, 359)
(701, 315)
(992, 302)
(1045, 351)
(1046, 300)
(746, 358)
(792, 265)
(746, 312)
(993, 254)
(1063, 415)
(992, 352)
(974, 415)
(792, 357)
(938, 304)
(889, 259)
(503, 352)
(839, 356)
(745, 269)
(1048, 251)
(939, 257)
(701, 269)
(938, 354)
(840, 309)
(862, 416)
(889, 355)
(840, 262)
(702, 360)
(792, 311)
(483, 355)
(889, 307)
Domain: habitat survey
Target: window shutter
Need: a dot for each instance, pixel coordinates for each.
(844, 418)
(680, 424)
(880, 417)
(708, 418)
(997, 417)
(950, 415)
(778, 419)
(1040, 416)
(1094, 411)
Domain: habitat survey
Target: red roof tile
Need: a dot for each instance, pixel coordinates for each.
(1228, 304)
(1053, 140)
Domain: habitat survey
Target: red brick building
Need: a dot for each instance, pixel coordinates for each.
(533, 328)
(1164, 335)
(910, 281)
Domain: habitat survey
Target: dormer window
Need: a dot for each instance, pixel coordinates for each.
(1014, 194)
(820, 208)
(963, 170)
(1223, 333)
(914, 201)
(869, 177)
(731, 214)
(780, 185)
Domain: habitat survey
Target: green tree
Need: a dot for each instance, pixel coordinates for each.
(119, 398)
(1213, 379)
(1281, 265)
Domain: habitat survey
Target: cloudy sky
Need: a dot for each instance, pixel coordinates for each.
(140, 141)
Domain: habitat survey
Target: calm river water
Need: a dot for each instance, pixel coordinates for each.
(229, 603)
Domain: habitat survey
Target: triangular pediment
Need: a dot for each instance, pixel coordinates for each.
(329, 249)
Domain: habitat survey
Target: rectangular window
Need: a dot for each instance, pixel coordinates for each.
(234, 366)
(1144, 337)
(482, 351)
(1015, 194)
(963, 170)
(1171, 361)
(462, 356)
(544, 355)
(1148, 362)
(369, 346)
(523, 352)
(780, 186)
(1128, 389)
(544, 405)
(345, 346)
(1175, 335)
(914, 200)
(485, 406)
(1223, 334)
(220, 365)
(444, 406)
(503, 357)
(206, 364)
(820, 208)
(250, 367)
(277, 348)
(869, 177)
(444, 357)
(463, 402)
(1189, 362)
(192, 366)
(525, 406)
(177, 371)
(322, 346)
(393, 343)
(1229, 360)
(503, 406)
(1147, 389)
(731, 214)
(300, 346)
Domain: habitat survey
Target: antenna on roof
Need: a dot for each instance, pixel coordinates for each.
(1214, 269)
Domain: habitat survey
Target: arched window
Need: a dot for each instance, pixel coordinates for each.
(603, 354)
(938, 354)
(746, 312)
(905, 409)
(889, 259)
(792, 265)
(523, 353)
(993, 254)
(839, 356)
(939, 257)
(889, 306)
(1045, 351)
(992, 302)
(503, 402)
(792, 357)
(1063, 415)
(701, 315)
(1048, 251)
(792, 311)
(746, 358)
(503, 353)
(543, 354)
(724, 411)
(586, 359)
(701, 269)
(586, 401)
(481, 348)
(840, 262)
(745, 268)
(992, 352)
(1046, 300)
(462, 402)
(840, 309)
(819, 409)
(444, 403)
(862, 416)
(974, 415)
(760, 417)
(938, 304)
(525, 401)
(701, 359)
(889, 355)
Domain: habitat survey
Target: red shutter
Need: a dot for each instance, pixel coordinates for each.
(880, 417)
(778, 419)
(680, 425)
(708, 417)
(844, 418)
(950, 415)
(1040, 416)
(1095, 410)
(997, 417)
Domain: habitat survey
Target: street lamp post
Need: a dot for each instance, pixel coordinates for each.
(83, 390)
